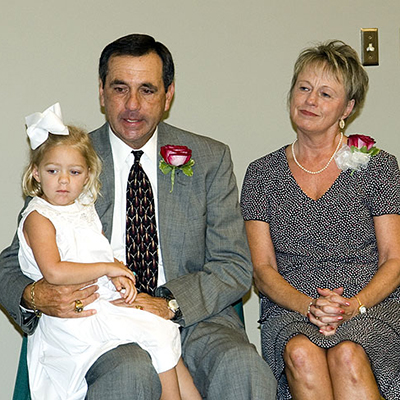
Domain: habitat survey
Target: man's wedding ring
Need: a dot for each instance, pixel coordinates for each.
(78, 306)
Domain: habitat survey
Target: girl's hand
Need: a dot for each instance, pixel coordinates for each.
(117, 268)
(126, 288)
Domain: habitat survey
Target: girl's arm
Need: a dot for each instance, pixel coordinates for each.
(40, 235)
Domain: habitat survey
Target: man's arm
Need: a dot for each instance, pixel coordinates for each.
(15, 291)
(12, 285)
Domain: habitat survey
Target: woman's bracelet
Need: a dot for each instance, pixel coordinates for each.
(35, 310)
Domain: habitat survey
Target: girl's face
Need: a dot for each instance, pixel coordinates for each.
(62, 173)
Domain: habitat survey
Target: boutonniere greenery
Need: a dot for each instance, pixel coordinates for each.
(357, 153)
(176, 157)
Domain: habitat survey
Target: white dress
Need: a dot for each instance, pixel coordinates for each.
(61, 351)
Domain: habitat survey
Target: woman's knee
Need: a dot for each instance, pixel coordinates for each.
(347, 356)
(300, 354)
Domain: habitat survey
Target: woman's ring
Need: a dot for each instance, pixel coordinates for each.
(139, 307)
(78, 306)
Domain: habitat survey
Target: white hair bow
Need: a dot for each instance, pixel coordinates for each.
(40, 124)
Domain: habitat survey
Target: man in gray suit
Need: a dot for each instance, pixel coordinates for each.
(204, 261)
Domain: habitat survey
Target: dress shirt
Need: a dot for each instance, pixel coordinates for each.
(123, 160)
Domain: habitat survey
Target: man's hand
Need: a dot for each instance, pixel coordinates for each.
(59, 301)
(143, 301)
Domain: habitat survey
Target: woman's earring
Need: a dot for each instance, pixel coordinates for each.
(342, 124)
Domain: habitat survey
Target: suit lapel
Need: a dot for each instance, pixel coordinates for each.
(105, 202)
(172, 207)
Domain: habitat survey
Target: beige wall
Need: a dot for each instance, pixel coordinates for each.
(234, 61)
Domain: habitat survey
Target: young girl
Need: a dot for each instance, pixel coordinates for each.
(61, 240)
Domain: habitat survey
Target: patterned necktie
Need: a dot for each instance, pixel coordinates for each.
(141, 230)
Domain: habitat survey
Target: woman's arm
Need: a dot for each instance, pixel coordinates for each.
(387, 278)
(385, 281)
(40, 235)
(266, 276)
(270, 282)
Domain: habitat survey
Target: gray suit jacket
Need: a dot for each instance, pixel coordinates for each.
(204, 247)
(201, 231)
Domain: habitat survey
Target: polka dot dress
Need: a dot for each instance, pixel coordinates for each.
(327, 243)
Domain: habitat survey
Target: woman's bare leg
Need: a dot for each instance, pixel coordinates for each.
(307, 370)
(351, 373)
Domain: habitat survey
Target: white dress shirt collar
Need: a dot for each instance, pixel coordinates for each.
(121, 151)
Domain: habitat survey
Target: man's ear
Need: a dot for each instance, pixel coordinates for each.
(101, 93)
(169, 95)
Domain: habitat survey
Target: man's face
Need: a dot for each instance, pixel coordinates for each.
(134, 97)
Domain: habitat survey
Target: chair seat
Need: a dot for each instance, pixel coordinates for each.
(21, 389)
(238, 306)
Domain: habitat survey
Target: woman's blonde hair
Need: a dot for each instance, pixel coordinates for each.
(78, 139)
(340, 60)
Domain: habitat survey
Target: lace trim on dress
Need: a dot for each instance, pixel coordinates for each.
(76, 213)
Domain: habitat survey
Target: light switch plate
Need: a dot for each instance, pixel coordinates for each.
(369, 46)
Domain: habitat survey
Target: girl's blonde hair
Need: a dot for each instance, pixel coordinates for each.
(78, 139)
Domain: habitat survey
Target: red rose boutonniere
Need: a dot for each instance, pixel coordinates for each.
(357, 153)
(176, 157)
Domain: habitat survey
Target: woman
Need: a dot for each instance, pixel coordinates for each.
(325, 242)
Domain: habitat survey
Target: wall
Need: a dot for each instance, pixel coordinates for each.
(234, 62)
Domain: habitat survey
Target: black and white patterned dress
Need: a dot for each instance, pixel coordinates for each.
(327, 243)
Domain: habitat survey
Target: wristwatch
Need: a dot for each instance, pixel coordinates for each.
(172, 304)
(361, 309)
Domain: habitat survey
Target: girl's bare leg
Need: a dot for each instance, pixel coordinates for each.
(169, 385)
(186, 385)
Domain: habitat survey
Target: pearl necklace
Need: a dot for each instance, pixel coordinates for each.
(322, 169)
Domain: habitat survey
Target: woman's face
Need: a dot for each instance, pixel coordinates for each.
(318, 101)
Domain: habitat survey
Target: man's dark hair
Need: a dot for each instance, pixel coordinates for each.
(137, 45)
